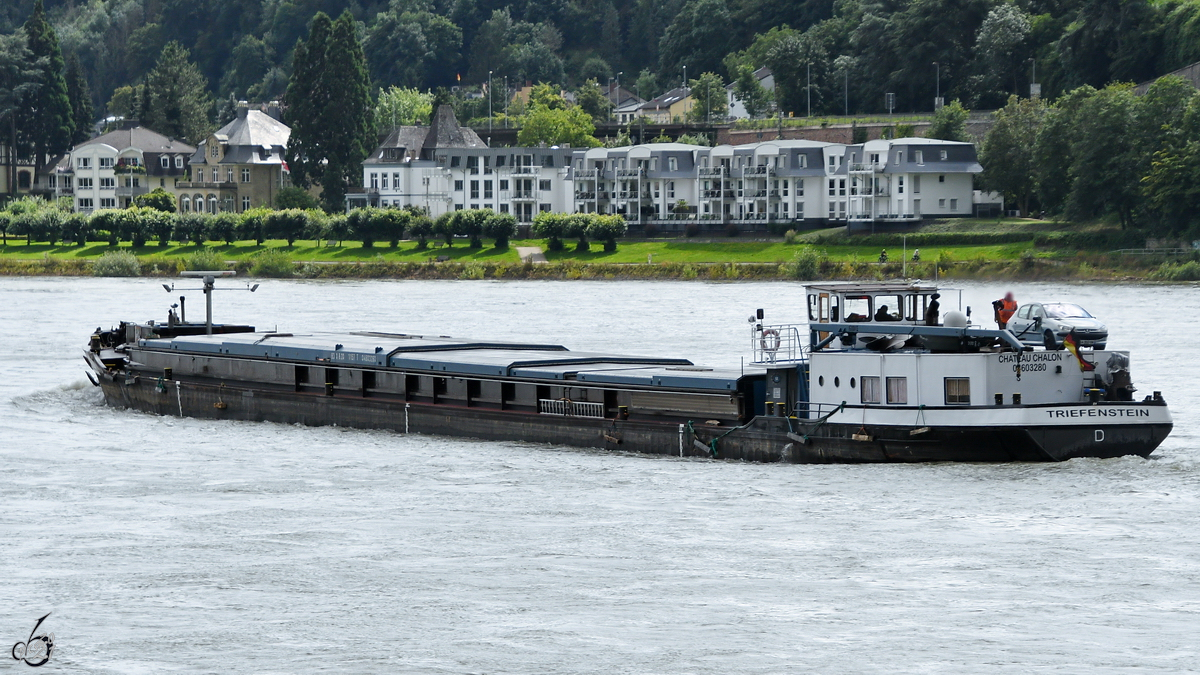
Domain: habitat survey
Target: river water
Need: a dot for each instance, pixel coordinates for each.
(164, 545)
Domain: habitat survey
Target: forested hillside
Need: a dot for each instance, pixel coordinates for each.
(985, 49)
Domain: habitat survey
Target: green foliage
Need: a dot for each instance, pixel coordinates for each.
(192, 227)
(444, 227)
(80, 95)
(223, 226)
(949, 123)
(420, 226)
(500, 227)
(557, 127)
(117, 264)
(469, 223)
(177, 93)
(401, 106)
(806, 264)
(551, 227)
(697, 39)
(751, 93)
(47, 119)
(591, 98)
(1007, 151)
(292, 197)
(710, 102)
(576, 225)
(607, 228)
(1187, 271)
(205, 259)
(286, 224)
(272, 263)
(157, 199)
(372, 224)
(252, 225)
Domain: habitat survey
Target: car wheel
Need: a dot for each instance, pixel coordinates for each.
(1049, 340)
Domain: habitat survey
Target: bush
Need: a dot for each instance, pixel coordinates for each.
(469, 223)
(501, 227)
(272, 263)
(107, 220)
(221, 227)
(191, 227)
(75, 228)
(117, 264)
(295, 198)
(336, 228)
(806, 263)
(288, 224)
(551, 227)
(577, 226)
(204, 259)
(791, 237)
(1188, 271)
(157, 224)
(420, 226)
(607, 229)
(444, 227)
(159, 200)
(252, 225)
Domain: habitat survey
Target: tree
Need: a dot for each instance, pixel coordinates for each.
(1101, 179)
(47, 120)
(444, 227)
(332, 129)
(647, 86)
(551, 227)
(17, 82)
(1002, 45)
(576, 225)
(1007, 150)
(413, 48)
(400, 106)
(747, 88)
(557, 127)
(697, 39)
(158, 200)
(1052, 151)
(192, 228)
(797, 61)
(709, 99)
(372, 224)
(607, 229)
(949, 123)
(420, 226)
(82, 113)
(178, 96)
(591, 98)
(501, 227)
(286, 224)
(292, 197)
(469, 223)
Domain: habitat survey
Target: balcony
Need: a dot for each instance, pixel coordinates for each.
(773, 194)
(712, 171)
(602, 194)
(756, 171)
(629, 173)
(585, 195)
(523, 195)
(201, 185)
(868, 167)
(525, 170)
(585, 173)
(755, 194)
(131, 190)
(711, 194)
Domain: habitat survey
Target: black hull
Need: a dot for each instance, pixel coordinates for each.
(764, 439)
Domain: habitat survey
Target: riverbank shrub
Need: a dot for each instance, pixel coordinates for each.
(1188, 271)
(205, 259)
(806, 264)
(117, 264)
(272, 263)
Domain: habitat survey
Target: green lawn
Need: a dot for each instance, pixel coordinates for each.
(628, 251)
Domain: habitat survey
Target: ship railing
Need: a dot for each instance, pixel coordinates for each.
(807, 410)
(569, 408)
(779, 343)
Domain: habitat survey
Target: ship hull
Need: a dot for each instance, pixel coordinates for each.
(763, 439)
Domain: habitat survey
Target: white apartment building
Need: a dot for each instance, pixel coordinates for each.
(108, 171)
(445, 167)
(910, 179)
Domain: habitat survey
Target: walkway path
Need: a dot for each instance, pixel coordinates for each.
(531, 254)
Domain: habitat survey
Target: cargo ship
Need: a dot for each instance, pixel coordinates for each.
(856, 382)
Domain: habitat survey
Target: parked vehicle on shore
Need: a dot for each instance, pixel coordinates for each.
(1049, 323)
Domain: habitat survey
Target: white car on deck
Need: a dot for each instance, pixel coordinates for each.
(1048, 323)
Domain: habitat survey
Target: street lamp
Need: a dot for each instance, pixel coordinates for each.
(617, 101)
(937, 96)
(489, 101)
(808, 87)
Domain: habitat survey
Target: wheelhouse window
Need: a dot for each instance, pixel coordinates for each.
(870, 389)
(889, 307)
(858, 308)
(958, 391)
(897, 391)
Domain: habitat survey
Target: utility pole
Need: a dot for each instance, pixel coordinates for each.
(506, 97)
(937, 97)
(846, 91)
(808, 87)
(489, 101)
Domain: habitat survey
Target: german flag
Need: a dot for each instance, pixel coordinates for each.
(1072, 343)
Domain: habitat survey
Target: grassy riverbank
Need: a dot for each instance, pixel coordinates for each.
(993, 249)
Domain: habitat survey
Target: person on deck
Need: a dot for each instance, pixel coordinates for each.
(882, 314)
(1005, 309)
(931, 312)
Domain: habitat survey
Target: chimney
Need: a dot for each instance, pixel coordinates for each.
(275, 111)
(243, 108)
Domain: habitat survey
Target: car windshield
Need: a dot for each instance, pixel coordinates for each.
(1064, 310)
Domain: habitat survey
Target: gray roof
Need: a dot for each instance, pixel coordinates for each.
(420, 142)
(256, 129)
(141, 138)
(667, 100)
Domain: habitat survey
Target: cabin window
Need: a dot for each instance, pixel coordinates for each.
(889, 307)
(958, 391)
(833, 305)
(821, 381)
(813, 303)
(870, 389)
(858, 308)
(897, 391)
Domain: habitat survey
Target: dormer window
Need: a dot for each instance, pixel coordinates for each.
(213, 151)
(164, 162)
(178, 161)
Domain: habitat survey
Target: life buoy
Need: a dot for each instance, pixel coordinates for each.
(769, 340)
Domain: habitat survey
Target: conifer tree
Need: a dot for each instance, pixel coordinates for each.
(329, 107)
(48, 118)
(80, 96)
(175, 99)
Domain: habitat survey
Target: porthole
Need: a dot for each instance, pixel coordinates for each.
(852, 383)
(837, 382)
(821, 381)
